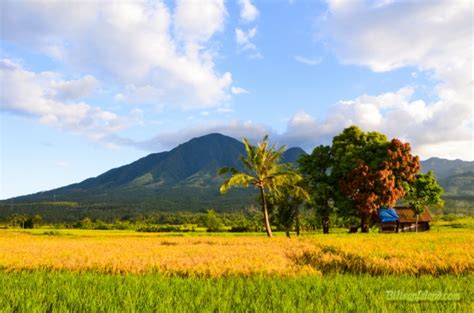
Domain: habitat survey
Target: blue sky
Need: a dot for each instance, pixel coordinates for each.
(87, 86)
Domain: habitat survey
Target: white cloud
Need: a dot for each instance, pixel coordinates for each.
(75, 89)
(308, 61)
(196, 21)
(395, 114)
(248, 12)
(36, 95)
(243, 38)
(238, 90)
(138, 43)
(432, 36)
(147, 94)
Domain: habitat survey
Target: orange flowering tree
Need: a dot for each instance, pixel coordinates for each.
(371, 172)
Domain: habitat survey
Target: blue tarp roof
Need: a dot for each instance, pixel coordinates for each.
(388, 215)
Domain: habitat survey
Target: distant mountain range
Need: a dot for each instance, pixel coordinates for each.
(456, 177)
(185, 179)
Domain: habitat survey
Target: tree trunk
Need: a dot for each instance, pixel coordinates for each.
(325, 222)
(288, 233)
(297, 221)
(363, 223)
(266, 218)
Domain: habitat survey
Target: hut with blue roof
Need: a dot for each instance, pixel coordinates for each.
(403, 219)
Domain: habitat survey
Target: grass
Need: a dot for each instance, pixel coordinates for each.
(43, 291)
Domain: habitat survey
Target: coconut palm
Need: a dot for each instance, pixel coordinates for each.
(264, 172)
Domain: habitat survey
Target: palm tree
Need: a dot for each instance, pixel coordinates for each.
(264, 172)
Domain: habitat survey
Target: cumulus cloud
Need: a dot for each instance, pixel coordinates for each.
(395, 114)
(248, 12)
(53, 101)
(75, 89)
(196, 21)
(138, 43)
(433, 36)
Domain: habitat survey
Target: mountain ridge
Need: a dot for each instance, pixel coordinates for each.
(190, 165)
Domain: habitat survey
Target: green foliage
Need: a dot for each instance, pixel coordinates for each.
(85, 223)
(424, 191)
(159, 228)
(317, 179)
(286, 209)
(213, 223)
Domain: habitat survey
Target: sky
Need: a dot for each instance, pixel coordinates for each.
(86, 86)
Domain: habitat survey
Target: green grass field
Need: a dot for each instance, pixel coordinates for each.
(41, 291)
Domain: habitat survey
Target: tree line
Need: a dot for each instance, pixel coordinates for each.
(355, 176)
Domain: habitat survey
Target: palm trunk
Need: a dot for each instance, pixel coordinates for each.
(266, 218)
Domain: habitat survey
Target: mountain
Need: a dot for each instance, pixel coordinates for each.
(443, 168)
(460, 184)
(457, 179)
(183, 179)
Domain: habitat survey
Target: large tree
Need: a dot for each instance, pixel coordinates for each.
(424, 191)
(316, 169)
(264, 171)
(371, 171)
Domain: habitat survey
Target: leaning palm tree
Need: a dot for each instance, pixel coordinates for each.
(264, 172)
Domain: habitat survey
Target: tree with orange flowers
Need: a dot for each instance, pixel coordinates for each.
(371, 172)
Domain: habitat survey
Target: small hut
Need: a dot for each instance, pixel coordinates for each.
(403, 219)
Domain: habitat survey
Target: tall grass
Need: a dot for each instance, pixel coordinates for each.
(42, 291)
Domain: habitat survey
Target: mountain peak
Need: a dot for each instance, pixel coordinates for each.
(189, 170)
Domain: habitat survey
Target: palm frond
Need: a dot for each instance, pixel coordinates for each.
(238, 179)
(226, 170)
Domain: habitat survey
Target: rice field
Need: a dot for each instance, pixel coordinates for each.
(123, 271)
(376, 254)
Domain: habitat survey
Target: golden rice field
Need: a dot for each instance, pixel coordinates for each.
(433, 253)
